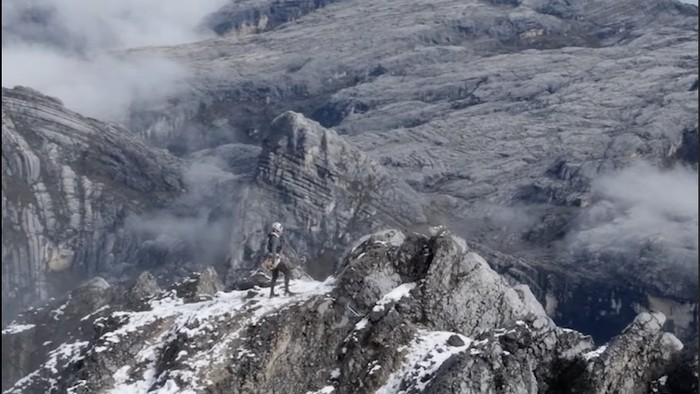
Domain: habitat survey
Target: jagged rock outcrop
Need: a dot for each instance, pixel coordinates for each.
(683, 374)
(199, 286)
(405, 313)
(592, 305)
(46, 328)
(68, 182)
(642, 345)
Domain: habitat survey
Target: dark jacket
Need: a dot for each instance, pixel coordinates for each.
(274, 244)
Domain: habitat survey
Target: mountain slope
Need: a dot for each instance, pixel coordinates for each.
(502, 116)
(68, 182)
(507, 121)
(406, 313)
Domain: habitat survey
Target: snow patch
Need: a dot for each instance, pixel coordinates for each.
(361, 324)
(325, 390)
(122, 374)
(72, 389)
(671, 341)
(595, 353)
(58, 312)
(17, 328)
(394, 296)
(198, 319)
(95, 312)
(428, 351)
(391, 237)
(461, 242)
(394, 237)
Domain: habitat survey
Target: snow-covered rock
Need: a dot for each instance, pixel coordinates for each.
(411, 316)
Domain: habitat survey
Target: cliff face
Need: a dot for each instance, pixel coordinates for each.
(404, 313)
(68, 182)
(324, 190)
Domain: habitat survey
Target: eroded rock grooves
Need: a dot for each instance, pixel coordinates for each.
(68, 182)
(404, 313)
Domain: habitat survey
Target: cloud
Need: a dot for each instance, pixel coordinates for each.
(642, 211)
(197, 228)
(102, 86)
(73, 49)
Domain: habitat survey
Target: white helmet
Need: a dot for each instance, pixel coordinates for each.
(277, 227)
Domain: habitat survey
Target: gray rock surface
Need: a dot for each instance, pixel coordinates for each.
(374, 327)
(324, 190)
(642, 343)
(68, 182)
(145, 286)
(248, 17)
(499, 114)
(199, 286)
(58, 329)
(495, 118)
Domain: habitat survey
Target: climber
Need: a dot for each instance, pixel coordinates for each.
(273, 260)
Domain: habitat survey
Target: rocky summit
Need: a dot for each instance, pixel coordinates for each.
(404, 313)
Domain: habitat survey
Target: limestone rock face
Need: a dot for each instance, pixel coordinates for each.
(68, 182)
(323, 189)
(643, 342)
(404, 313)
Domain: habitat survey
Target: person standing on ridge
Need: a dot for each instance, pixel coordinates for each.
(273, 260)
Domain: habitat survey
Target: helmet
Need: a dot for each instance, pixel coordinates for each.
(277, 226)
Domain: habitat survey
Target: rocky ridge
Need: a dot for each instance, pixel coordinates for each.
(404, 313)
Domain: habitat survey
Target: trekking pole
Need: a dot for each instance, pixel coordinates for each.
(345, 305)
(351, 310)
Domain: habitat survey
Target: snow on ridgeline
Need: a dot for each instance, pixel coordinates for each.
(594, 353)
(64, 354)
(17, 328)
(179, 318)
(426, 353)
(394, 295)
(325, 390)
(207, 314)
(391, 237)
